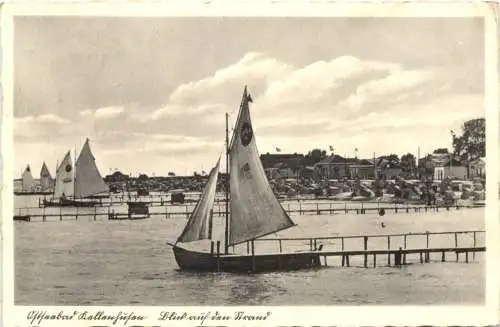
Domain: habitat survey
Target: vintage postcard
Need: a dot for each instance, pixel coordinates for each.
(250, 164)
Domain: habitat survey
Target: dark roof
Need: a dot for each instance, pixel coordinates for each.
(292, 161)
(384, 162)
(336, 159)
(333, 159)
(440, 160)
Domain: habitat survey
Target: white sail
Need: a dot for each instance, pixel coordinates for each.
(199, 225)
(64, 184)
(45, 178)
(27, 180)
(255, 211)
(88, 180)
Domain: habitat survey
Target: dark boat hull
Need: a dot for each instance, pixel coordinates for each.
(115, 216)
(33, 193)
(22, 218)
(205, 262)
(69, 203)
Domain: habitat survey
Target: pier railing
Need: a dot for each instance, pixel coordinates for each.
(401, 247)
(292, 208)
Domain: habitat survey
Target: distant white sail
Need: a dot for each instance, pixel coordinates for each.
(64, 184)
(45, 178)
(27, 179)
(88, 180)
(199, 224)
(255, 211)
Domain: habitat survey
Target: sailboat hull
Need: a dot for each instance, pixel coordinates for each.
(205, 262)
(69, 203)
(33, 193)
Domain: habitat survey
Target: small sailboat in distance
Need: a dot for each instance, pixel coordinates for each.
(29, 186)
(77, 187)
(255, 212)
(45, 178)
(27, 180)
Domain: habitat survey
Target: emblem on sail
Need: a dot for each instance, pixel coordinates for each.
(199, 225)
(64, 178)
(255, 211)
(86, 180)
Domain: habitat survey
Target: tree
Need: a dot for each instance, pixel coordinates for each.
(314, 156)
(408, 163)
(441, 151)
(391, 158)
(472, 143)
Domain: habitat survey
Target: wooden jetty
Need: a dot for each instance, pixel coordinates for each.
(316, 208)
(398, 256)
(316, 256)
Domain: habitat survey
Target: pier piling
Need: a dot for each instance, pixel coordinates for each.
(253, 256)
(218, 256)
(388, 250)
(427, 254)
(474, 253)
(365, 246)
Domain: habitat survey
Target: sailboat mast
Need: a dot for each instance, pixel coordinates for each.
(226, 233)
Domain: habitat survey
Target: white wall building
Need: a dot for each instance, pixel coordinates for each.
(442, 172)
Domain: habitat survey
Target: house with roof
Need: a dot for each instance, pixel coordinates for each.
(338, 167)
(477, 168)
(362, 169)
(439, 166)
(281, 165)
(332, 167)
(387, 167)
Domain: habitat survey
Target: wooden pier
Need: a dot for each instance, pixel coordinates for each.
(169, 211)
(467, 246)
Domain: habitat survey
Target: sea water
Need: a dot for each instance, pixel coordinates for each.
(101, 262)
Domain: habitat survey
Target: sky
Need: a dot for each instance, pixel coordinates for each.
(151, 93)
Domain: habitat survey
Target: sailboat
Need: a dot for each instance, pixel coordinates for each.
(45, 179)
(79, 187)
(27, 183)
(254, 213)
(29, 186)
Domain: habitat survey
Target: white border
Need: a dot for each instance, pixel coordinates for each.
(283, 316)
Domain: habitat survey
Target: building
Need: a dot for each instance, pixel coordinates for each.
(338, 167)
(362, 169)
(477, 168)
(280, 165)
(332, 167)
(388, 168)
(451, 168)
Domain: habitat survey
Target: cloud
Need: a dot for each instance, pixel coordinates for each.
(254, 69)
(341, 101)
(42, 119)
(103, 113)
(38, 126)
(86, 113)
